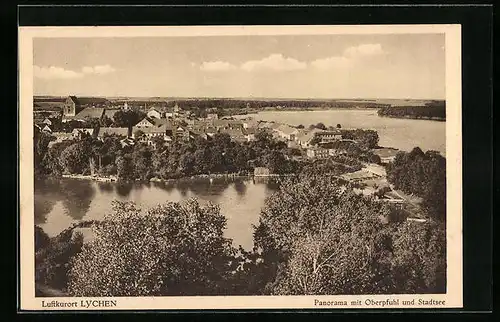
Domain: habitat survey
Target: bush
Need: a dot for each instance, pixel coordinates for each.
(42, 240)
(172, 249)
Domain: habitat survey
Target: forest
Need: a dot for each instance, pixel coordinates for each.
(311, 239)
(422, 174)
(434, 110)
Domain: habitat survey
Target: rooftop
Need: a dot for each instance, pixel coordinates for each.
(120, 131)
(287, 129)
(92, 112)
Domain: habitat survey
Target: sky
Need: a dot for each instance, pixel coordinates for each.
(403, 66)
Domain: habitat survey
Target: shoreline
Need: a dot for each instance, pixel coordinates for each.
(437, 119)
(167, 181)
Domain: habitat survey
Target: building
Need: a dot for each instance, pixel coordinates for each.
(80, 133)
(196, 133)
(265, 125)
(72, 106)
(305, 137)
(328, 136)
(236, 134)
(113, 131)
(250, 133)
(150, 133)
(286, 132)
(159, 113)
(110, 112)
(338, 147)
(261, 172)
(227, 124)
(387, 155)
(317, 153)
(60, 137)
(47, 129)
(212, 116)
(181, 133)
(144, 123)
(127, 142)
(89, 112)
(250, 123)
(376, 170)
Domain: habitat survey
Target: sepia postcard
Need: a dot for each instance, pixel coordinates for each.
(240, 167)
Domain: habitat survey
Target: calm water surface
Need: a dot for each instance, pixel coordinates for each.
(403, 134)
(60, 203)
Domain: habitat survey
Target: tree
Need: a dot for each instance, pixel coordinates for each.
(419, 263)
(138, 134)
(52, 261)
(127, 118)
(423, 174)
(274, 161)
(92, 122)
(326, 241)
(171, 249)
(158, 141)
(41, 142)
(124, 168)
(339, 126)
(42, 240)
(300, 126)
(321, 126)
(106, 121)
(75, 158)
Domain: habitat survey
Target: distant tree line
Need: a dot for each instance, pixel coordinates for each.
(436, 110)
(222, 104)
(422, 174)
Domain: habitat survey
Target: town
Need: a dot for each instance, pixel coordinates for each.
(160, 126)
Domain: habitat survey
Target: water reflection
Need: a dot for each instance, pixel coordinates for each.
(76, 196)
(62, 202)
(43, 206)
(241, 187)
(123, 189)
(105, 187)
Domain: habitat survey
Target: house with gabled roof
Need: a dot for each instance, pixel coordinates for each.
(286, 132)
(47, 129)
(145, 122)
(235, 134)
(304, 137)
(156, 112)
(250, 123)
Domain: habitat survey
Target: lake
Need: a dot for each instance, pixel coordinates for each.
(403, 134)
(60, 203)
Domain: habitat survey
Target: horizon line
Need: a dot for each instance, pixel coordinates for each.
(246, 98)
